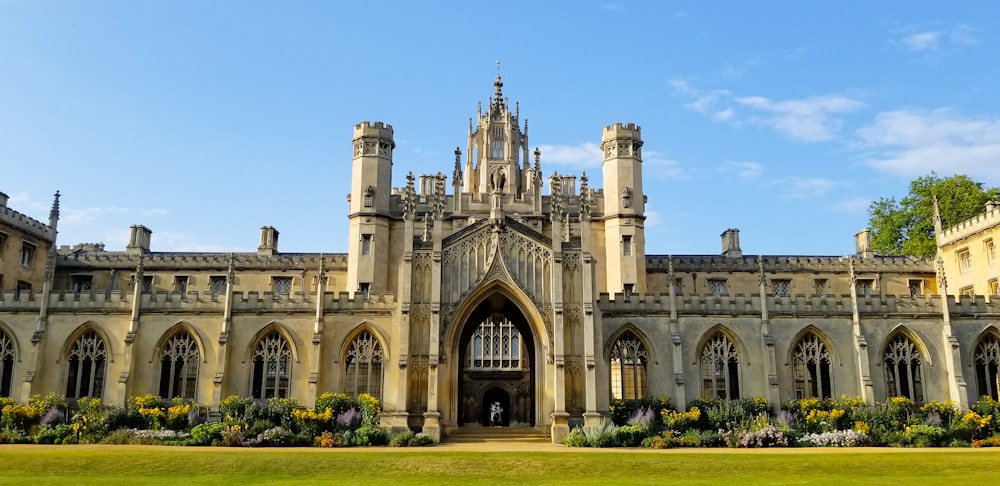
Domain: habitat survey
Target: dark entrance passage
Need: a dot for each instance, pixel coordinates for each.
(497, 356)
(496, 408)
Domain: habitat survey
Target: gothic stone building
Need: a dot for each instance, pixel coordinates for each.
(498, 285)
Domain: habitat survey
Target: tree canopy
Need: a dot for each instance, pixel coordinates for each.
(907, 227)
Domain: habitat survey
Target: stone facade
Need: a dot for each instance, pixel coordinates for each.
(496, 286)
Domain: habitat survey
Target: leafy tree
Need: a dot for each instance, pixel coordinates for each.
(907, 227)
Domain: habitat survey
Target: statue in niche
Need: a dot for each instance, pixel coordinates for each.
(498, 180)
(626, 197)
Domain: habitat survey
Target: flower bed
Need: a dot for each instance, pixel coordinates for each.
(338, 420)
(752, 423)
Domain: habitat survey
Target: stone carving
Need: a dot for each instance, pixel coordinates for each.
(409, 198)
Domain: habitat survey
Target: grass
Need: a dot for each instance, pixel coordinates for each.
(139, 465)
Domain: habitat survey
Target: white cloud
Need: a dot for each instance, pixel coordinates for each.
(853, 205)
(742, 170)
(803, 187)
(661, 167)
(810, 119)
(922, 41)
(807, 119)
(167, 241)
(962, 35)
(915, 142)
(724, 115)
(583, 156)
(89, 215)
(918, 39)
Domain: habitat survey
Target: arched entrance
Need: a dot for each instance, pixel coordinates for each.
(497, 365)
(495, 408)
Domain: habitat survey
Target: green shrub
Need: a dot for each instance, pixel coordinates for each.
(207, 434)
(632, 435)
(602, 436)
(575, 438)
(53, 435)
(119, 437)
(367, 435)
(927, 435)
(402, 439)
(124, 418)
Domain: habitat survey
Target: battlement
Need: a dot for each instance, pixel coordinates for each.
(25, 223)
(620, 131)
(373, 129)
(735, 305)
(207, 261)
(118, 301)
(969, 227)
(781, 263)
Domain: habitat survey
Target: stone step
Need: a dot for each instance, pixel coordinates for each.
(497, 434)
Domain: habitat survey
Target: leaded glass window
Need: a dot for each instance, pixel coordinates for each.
(7, 358)
(716, 287)
(179, 367)
(987, 361)
(364, 366)
(272, 367)
(495, 344)
(87, 363)
(720, 368)
(282, 285)
(811, 368)
(902, 369)
(780, 287)
(628, 368)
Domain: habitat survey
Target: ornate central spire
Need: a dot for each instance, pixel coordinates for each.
(498, 93)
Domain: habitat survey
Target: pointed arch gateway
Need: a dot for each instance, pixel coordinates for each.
(496, 341)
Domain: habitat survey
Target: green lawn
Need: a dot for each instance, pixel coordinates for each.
(140, 466)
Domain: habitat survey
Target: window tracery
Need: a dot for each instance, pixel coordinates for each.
(628, 368)
(495, 345)
(87, 362)
(720, 368)
(902, 369)
(179, 362)
(272, 367)
(7, 358)
(987, 362)
(811, 368)
(364, 366)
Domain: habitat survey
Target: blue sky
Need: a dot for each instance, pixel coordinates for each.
(205, 120)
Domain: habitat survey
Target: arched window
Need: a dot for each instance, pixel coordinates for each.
(7, 358)
(495, 345)
(628, 368)
(811, 367)
(902, 369)
(87, 363)
(364, 366)
(272, 367)
(987, 360)
(720, 368)
(179, 367)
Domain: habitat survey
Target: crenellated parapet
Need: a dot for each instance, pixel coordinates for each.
(119, 302)
(373, 138)
(981, 222)
(901, 306)
(786, 264)
(200, 261)
(26, 224)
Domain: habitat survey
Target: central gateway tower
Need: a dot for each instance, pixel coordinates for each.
(496, 282)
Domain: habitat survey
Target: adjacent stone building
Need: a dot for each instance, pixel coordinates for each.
(497, 285)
